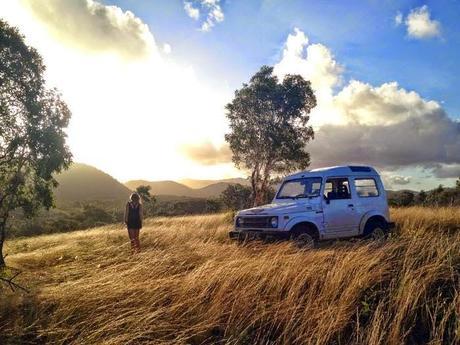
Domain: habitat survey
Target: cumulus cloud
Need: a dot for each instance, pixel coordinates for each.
(399, 180)
(398, 18)
(387, 104)
(385, 125)
(388, 127)
(191, 11)
(314, 62)
(167, 48)
(211, 9)
(420, 25)
(92, 26)
(207, 153)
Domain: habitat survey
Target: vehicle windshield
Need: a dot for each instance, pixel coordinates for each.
(300, 188)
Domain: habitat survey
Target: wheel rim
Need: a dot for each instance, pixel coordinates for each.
(378, 234)
(305, 241)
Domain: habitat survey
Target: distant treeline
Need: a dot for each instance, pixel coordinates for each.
(440, 196)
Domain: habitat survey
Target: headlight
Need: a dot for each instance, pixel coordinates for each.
(237, 222)
(274, 222)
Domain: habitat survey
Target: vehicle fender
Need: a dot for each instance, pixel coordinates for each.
(366, 217)
(294, 221)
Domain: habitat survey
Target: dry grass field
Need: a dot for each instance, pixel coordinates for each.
(190, 285)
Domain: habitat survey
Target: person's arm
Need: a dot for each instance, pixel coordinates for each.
(141, 213)
(126, 213)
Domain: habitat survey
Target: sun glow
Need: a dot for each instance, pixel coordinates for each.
(131, 117)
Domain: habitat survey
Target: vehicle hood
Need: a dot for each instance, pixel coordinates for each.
(281, 208)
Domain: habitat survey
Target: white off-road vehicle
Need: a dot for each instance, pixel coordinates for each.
(321, 204)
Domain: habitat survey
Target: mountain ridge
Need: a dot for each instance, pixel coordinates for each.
(83, 182)
(169, 187)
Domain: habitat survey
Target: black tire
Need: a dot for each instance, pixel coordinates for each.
(242, 239)
(376, 230)
(304, 237)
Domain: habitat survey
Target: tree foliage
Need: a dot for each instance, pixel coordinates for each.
(439, 196)
(236, 197)
(32, 137)
(148, 199)
(269, 127)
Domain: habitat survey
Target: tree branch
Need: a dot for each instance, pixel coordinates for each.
(10, 280)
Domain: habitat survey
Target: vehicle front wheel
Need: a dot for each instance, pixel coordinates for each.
(304, 241)
(242, 238)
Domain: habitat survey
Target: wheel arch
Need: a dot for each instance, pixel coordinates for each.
(369, 217)
(306, 226)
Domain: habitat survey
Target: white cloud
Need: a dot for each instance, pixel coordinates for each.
(386, 125)
(398, 18)
(212, 10)
(191, 11)
(420, 25)
(315, 63)
(387, 104)
(90, 25)
(167, 48)
(399, 180)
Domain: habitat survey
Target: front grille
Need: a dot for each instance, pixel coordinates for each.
(255, 222)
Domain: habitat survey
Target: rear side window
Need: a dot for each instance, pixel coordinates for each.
(337, 188)
(366, 187)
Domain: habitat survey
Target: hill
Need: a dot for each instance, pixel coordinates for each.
(162, 187)
(83, 182)
(172, 188)
(191, 285)
(196, 184)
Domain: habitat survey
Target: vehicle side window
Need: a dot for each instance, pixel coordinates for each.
(337, 188)
(366, 187)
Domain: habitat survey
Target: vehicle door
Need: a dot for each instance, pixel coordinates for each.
(369, 196)
(340, 216)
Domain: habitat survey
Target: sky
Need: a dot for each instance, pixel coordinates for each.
(147, 81)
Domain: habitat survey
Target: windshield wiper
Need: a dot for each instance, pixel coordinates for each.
(298, 196)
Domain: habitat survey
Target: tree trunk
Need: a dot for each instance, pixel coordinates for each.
(2, 240)
(254, 187)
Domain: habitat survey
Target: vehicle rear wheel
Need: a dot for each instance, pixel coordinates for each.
(378, 234)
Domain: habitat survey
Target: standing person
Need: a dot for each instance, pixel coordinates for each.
(133, 220)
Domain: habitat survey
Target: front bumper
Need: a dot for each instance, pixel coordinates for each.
(258, 234)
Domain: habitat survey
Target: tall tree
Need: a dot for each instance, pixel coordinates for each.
(269, 127)
(32, 137)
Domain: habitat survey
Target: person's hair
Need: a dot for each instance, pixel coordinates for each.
(135, 197)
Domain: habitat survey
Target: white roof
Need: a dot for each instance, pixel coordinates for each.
(341, 170)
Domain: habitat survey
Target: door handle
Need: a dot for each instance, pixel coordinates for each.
(351, 205)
